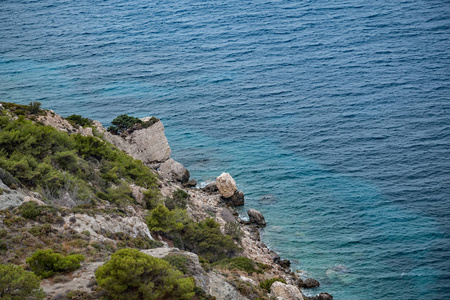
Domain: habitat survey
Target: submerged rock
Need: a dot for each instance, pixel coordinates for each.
(282, 291)
(310, 283)
(175, 171)
(321, 296)
(256, 217)
(226, 185)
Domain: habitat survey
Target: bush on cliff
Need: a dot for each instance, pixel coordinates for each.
(163, 220)
(55, 163)
(123, 123)
(267, 284)
(18, 284)
(45, 263)
(206, 239)
(131, 274)
(77, 120)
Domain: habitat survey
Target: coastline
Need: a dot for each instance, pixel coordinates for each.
(216, 201)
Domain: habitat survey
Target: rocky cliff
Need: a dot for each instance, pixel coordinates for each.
(98, 230)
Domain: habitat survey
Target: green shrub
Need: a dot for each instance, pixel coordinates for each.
(177, 261)
(33, 211)
(164, 220)
(18, 284)
(120, 195)
(123, 123)
(45, 263)
(266, 284)
(178, 200)
(41, 230)
(241, 263)
(8, 179)
(234, 230)
(35, 108)
(76, 120)
(131, 274)
(205, 239)
(152, 198)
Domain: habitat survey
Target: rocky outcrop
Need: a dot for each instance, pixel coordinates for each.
(190, 183)
(321, 296)
(9, 197)
(174, 171)
(193, 266)
(82, 279)
(226, 185)
(283, 291)
(210, 188)
(149, 145)
(310, 283)
(99, 225)
(237, 199)
(256, 217)
(56, 121)
(211, 282)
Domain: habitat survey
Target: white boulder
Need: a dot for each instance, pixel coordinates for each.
(226, 185)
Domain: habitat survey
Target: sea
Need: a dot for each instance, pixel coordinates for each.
(332, 116)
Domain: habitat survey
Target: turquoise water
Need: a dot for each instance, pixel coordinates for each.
(333, 117)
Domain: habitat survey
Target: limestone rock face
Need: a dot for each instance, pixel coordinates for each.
(283, 291)
(226, 185)
(149, 145)
(99, 225)
(9, 197)
(256, 217)
(221, 289)
(56, 121)
(173, 170)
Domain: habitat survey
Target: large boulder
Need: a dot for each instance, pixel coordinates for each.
(237, 199)
(175, 171)
(282, 291)
(310, 283)
(256, 217)
(226, 185)
(149, 144)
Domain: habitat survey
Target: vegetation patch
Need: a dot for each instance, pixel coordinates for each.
(241, 263)
(131, 274)
(266, 284)
(77, 120)
(18, 284)
(45, 263)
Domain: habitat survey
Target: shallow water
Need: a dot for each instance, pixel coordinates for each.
(333, 117)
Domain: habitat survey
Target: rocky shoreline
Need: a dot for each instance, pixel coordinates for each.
(217, 200)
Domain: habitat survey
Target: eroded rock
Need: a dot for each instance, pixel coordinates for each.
(237, 199)
(226, 185)
(283, 291)
(310, 283)
(256, 217)
(149, 145)
(175, 171)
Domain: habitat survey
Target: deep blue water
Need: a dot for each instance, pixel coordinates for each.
(333, 116)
